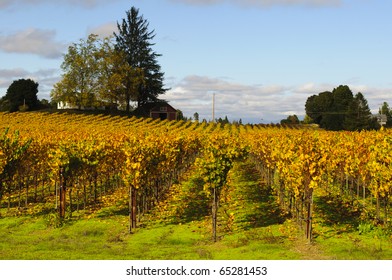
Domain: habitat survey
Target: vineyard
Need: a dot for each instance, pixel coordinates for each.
(63, 164)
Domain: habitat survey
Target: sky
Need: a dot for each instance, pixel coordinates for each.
(261, 59)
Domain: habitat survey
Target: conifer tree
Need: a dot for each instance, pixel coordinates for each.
(358, 115)
(134, 39)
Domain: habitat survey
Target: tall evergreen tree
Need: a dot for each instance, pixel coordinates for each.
(134, 39)
(359, 116)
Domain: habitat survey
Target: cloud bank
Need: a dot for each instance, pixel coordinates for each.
(251, 103)
(32, 41)
(254, 103)
(104, 30)
(46, 78)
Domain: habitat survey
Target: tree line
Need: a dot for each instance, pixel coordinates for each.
(339, 109)
(110, 72)
(113, 71)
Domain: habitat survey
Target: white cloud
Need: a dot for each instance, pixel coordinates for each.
(46, 78)
(7, 76)
(32, 41)
(234, 100)
(267, 103)
(374, 95)
(312, 88)
(11, 73)
(265, 3)
(104, 30)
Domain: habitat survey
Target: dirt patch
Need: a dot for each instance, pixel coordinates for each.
(308, 251)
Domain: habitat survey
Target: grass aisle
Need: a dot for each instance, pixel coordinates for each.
(250, 226)
(179, 228)
(257, 221)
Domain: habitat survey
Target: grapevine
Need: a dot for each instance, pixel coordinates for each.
(137, 160)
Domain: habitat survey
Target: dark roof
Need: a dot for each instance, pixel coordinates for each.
(161, 104)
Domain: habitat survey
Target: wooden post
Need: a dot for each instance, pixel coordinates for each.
(132, 208)
(386, 210)
(309, 217)
(27, 192)
(95, 187)
(62, 194)
(70, 202)
(213, 107)
(214, 215)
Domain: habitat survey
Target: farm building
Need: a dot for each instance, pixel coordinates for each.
(66, 105)
(381, 119)
(163, 111)
(156, 110)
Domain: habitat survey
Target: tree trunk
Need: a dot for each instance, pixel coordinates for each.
(128, 108)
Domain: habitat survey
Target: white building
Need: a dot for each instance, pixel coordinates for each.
(65, 105)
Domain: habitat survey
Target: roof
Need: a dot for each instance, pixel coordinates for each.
(162, 104)
(381, 117)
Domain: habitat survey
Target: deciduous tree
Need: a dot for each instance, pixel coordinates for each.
(119, 82)
(340, 110)
(80, 82)
(21, 94)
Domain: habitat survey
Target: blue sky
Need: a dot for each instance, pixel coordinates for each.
(261, 58)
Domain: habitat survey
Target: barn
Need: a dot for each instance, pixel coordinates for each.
(163, 111)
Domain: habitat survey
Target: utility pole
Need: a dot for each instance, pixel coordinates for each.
(213, 107)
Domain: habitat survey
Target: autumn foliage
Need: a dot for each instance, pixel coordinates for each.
(132, 163)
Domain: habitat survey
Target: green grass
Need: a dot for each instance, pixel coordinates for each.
(30, 238)
(250, 226)
(341, 242)
(342, 235)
